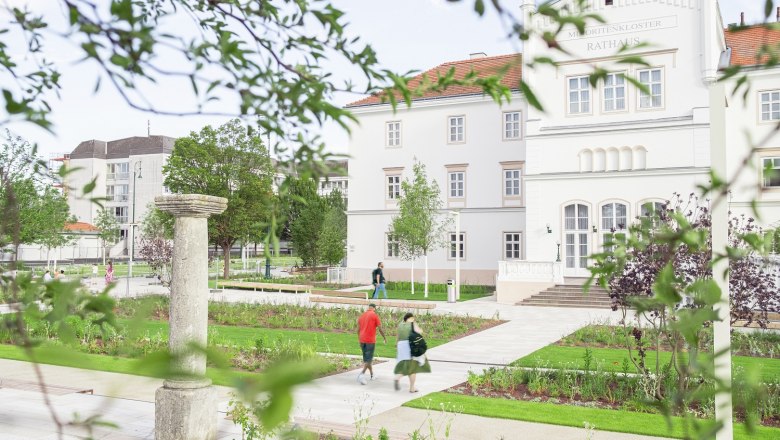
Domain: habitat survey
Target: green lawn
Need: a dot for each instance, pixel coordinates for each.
(69, 358)
(566, 415)
(420, 296)
(338, 343)
(611, 359)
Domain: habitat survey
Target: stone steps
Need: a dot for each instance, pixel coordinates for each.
(570, 296)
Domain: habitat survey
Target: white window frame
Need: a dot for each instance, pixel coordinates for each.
(393, 134)
(117, 213)
(518, 180)
(765, 180)
(650, 83)
(512, 125)
(451, 249)
(605, 229)
(772, 101)
(392, 187)
(456, 122)
(512, 239)
(453, 192)
(614, 87)
(392, 246)
(581, 92)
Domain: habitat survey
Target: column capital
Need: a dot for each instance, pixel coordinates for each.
(191, 205)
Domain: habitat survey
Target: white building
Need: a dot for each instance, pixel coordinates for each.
(128, 173)
(474, 150)
(593, 161)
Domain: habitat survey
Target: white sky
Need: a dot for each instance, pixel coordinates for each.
(407, 35)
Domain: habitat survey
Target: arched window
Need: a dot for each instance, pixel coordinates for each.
(612, 159)
(586, 161)
(599, 160)
(626, 162)
(640, 158)
(576, 223)
(614, 218)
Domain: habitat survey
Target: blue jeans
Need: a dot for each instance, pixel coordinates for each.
(379, 287)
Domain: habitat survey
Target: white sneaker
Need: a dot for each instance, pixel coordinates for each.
(373, 377)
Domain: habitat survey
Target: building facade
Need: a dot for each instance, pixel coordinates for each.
(592, 162)
(127, 172)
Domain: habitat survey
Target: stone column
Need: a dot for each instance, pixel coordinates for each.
(186, 404)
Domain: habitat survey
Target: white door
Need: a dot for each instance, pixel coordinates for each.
(576, 240)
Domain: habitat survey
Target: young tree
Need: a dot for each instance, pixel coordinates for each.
(229, 161)
(108, 228)
(157, 243)
(307, 217)
(333, 238)
(419, 227)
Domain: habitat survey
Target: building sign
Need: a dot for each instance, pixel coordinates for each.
(613, 36)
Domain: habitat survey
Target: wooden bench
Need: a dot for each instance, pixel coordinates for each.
(339, 293)
(279, 287)
(379, 302)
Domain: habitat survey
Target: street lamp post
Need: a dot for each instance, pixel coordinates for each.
(458, 245)
(136, 175)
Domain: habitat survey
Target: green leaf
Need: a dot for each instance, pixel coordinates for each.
(479, 7)
(530, 97)
(664, 286)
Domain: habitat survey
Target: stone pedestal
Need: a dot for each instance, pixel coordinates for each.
(186, 405)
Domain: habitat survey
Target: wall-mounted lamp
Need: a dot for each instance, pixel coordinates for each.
(594, 229)
(549, 231)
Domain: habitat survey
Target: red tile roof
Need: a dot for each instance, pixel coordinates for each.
(483, 67)
(746, 42)
(80, 227)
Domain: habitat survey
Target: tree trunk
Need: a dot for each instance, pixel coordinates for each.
(104, 253)
(412, 277)
(426, 275)
(226, 252)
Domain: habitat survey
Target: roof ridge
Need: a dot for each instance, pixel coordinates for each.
(446, 63)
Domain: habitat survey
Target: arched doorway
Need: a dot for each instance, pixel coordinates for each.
(576, 240)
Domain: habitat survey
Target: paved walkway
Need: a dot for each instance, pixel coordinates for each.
(337, 399)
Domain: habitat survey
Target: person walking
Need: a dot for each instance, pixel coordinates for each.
(109, 273)
(378, 280)
(368, 324)
(47, 277)
(408, 365)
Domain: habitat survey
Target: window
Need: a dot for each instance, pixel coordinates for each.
(770, 106)
(650, 209)
(575, 221)
(393, 246)
(120, 212)
(650, 212)
(457, 128)
(614, 92)
(512, 183)
(651, 78)
(457, 246)
(394, 134)
(117, 171)
(614, 217)
(579, 95)
(116, 193)
(511, 125)
(771, 169)
(512, 245)
(457, 181)
(393, 187)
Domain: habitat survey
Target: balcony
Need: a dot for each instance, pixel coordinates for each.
(117, 176)
(119, 198)
(121, 219)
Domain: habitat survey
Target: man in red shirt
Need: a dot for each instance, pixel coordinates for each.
(368, 324)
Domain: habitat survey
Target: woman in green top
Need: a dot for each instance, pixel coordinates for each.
(408, 365)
